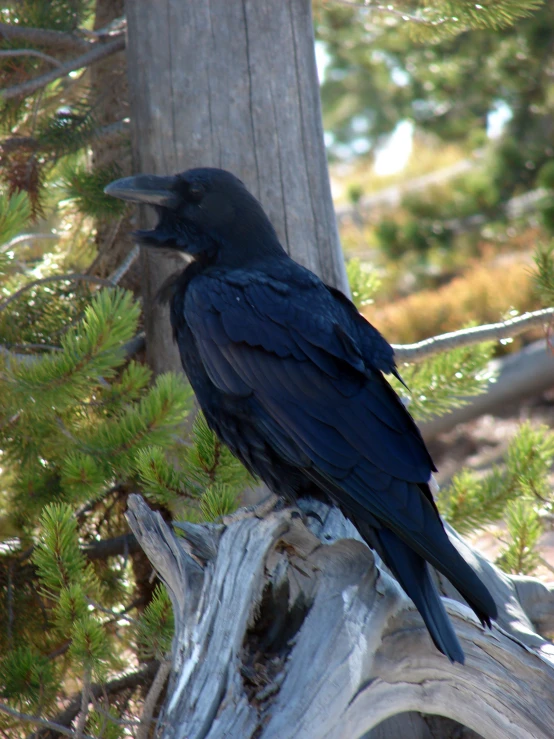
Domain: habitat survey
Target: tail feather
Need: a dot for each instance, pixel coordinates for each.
(413, 574)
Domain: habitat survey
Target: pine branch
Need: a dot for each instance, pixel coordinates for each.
(54, 278)
(50, 725)
(33, 144)
(44, 37)
(473, 335)
(391, 10)
(99, 50)
(31, 52)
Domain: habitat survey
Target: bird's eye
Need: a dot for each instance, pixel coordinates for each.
(195, 193)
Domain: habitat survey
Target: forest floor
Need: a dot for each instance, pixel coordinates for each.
(482, 443)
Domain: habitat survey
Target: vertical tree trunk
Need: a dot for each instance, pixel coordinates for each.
(110, 97)
(232, 84)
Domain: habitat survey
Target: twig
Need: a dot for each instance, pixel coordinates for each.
(26, 237)
(43, 37)
(113, 129)
(118, 274)
(474, 335)
(55, 278)
(118, 685)
(41, 722)
(118, 25)
(115, 616)
(85, 699)
(31, 52)
(99, 51)
(152, 698)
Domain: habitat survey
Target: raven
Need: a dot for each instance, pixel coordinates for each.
(291, 378)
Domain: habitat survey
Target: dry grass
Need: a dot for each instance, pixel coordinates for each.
(483, 294)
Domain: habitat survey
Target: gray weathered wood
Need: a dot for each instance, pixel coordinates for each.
(233, 84)
(347, 650)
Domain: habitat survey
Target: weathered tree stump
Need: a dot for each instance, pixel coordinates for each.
(290, 630)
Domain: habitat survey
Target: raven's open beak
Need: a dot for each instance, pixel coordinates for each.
(145, 188)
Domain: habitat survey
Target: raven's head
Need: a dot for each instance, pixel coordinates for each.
(207, 213)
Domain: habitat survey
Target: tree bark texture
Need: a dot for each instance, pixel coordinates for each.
(110, 98)
(281, 632)
(232, 84)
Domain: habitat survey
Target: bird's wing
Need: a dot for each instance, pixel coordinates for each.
(310, 376)
(312, 387)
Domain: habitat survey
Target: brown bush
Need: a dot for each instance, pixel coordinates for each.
(484, 294)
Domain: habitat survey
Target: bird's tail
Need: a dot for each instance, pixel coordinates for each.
(413, 574)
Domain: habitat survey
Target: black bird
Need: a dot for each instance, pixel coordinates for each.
(290, 377)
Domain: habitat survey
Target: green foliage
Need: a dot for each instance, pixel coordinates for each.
(218, 500)
(203, 478)
(90, 646)
(57, 556)
(155, 628)
(211, 461)
(444, 18)
(91, 351)
(446, 381)
(59, 15)
(364, 282)
(104, 724)
(471, 502)
(544, 275)
(27, 678)
(67, 131)
(524, 529)
(86, 189)
(15, 211)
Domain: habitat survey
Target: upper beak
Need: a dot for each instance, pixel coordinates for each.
(144, 188)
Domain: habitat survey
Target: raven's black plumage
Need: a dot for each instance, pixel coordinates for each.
(290, 377)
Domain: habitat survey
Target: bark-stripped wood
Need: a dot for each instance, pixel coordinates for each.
(286, 632)
(233, 84)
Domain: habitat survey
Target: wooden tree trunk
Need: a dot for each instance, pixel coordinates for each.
(110, 97)
(284, 632)
(232, 84)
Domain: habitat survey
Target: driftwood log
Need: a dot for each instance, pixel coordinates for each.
(286, 625)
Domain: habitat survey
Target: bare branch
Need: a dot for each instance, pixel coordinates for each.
(114, 129)
(53, 726)
(26, 237)
(152, 698)
(117, 26)
(31, 52)
(97, 690)
(99, 50)
(118, 274)
(83, 714)
(474, 335)
(44, 37)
